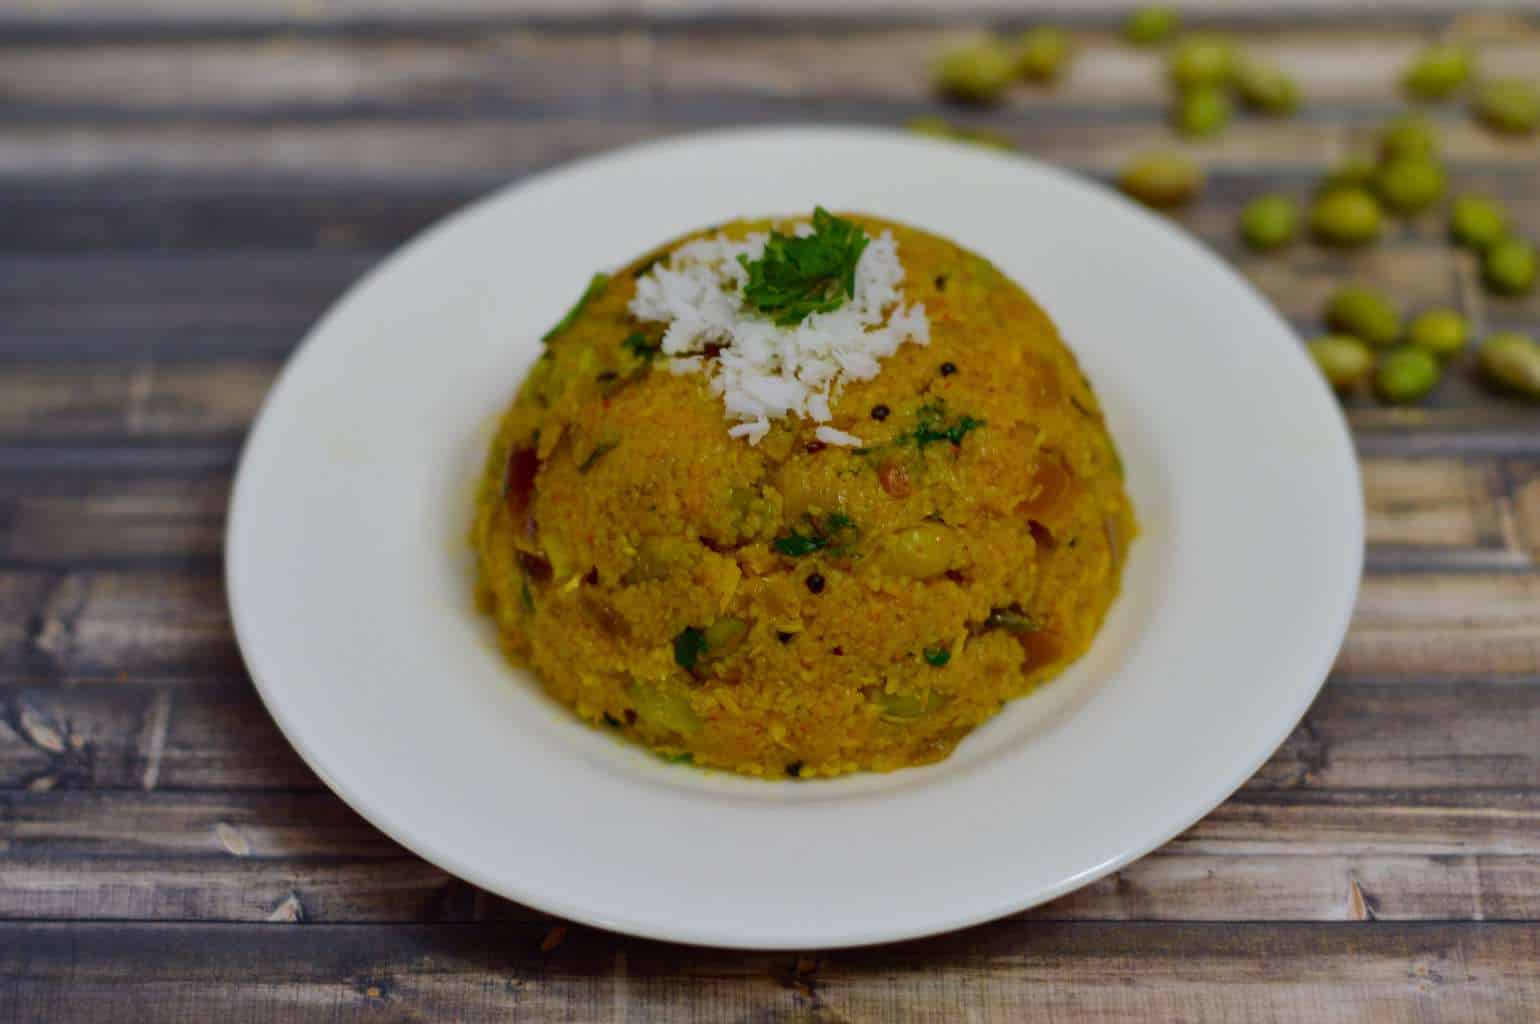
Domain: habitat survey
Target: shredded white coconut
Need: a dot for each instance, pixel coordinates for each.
(764, 371)
(830, 435)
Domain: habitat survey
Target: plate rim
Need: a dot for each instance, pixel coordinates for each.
(829, 938)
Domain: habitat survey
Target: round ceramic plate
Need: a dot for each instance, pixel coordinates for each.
(350, 577)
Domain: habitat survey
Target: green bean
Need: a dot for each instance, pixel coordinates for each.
(1508, 105)
(978, 72)
(1346, 216)
(1354, 172)
(1265, 88)
(1509, 267)
(1410, 184)
(1269, 221)
(1152, 24)
(1407, 135)
(1443, 332)
(1511, 362)
(1162, 180)
(1437, 72)
(1043, 53)
(1202, 111)
(1344, 361)
(1406, 375)
(1202, 58)
(1365, 314)
(1476, 221)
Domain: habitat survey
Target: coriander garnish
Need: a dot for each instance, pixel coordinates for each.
(637, 344)
(795, 545)
(933, 425)
(835, 533)
(798, 276)
(689, 645)
(596, 285)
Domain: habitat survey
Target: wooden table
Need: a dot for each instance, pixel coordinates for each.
(184, 190)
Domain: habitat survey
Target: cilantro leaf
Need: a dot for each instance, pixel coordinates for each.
(637, 344)
(836, 531)
(596, 286)
(812, 274)
(795, 545)
(933, 425)
(689, 645)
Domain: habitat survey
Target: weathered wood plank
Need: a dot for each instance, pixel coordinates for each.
(144, 399)
(144, 626)
(1522, 521)
(401, 889)
(1312, 855)
(74, 20)
(1379, 735)
(256, 824)
(237, 216)
(167, 15)
(1390, 736)
(21, 597)
(1435, 503)
(1164, 886)
(417, 148)
(133, 736)
(216, 215)
(497, 69)
(367, 146)
(1450, 627)
(238, 289)
(1263, 887)
(1338, 66)
(1238, 12)
(314, 824)
(1350, 822)
(53, 521)
(1011, 970)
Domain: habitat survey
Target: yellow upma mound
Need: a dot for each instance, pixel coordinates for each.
(793, 607)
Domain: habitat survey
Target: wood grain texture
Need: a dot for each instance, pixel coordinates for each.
(1307, 855)
(186, 185)
(1390, 736)
(1011, 970)
(90, 18)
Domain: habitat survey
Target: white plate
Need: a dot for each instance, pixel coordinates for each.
(350, 590)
